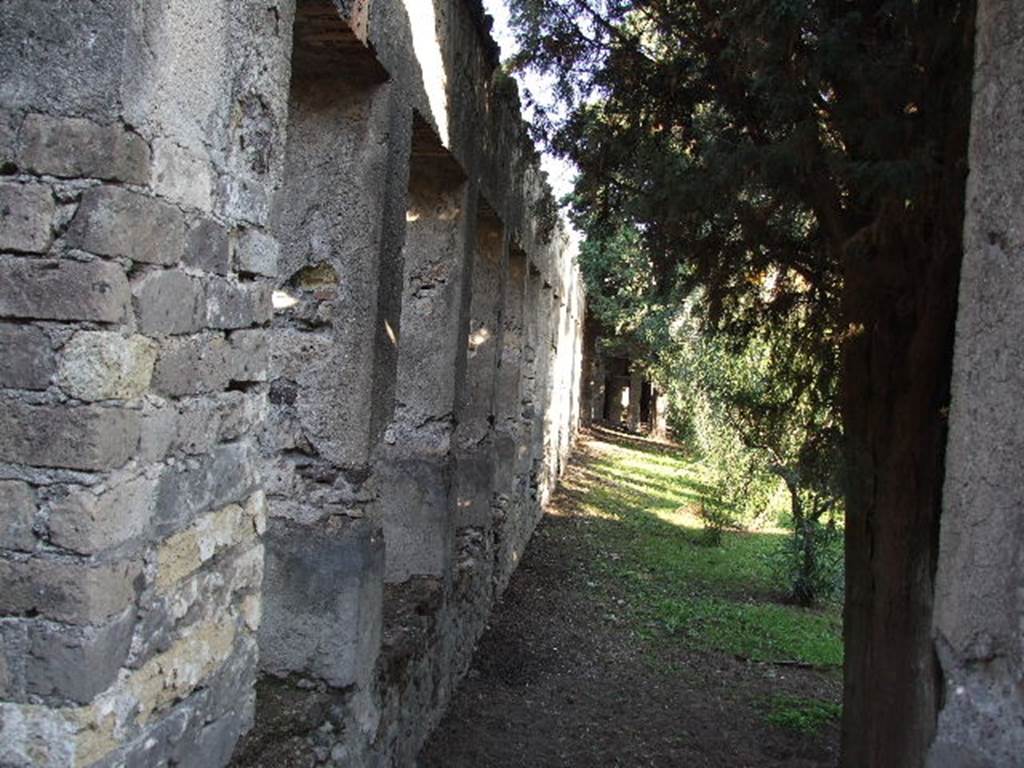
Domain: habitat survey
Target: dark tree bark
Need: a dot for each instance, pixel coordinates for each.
(900, 298)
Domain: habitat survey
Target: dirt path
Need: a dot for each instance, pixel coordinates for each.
(560, 680)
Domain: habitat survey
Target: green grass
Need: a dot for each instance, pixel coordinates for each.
(719, 598)
(801, 715)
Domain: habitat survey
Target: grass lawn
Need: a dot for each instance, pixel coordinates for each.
(643, 498)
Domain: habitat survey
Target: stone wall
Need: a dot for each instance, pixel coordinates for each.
(979, 601)
(291, 362)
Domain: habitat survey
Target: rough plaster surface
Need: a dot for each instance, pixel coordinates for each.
(979, 609)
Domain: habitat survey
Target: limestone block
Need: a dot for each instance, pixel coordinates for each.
(99, 365)
(172, 675)
(75, 147)
(207, 247)
(257, 252)
(68, 591)
(188, 488)
(63, 290)
(88, 522)
(237, 305)
(169, 302)
(117, 222)
(76, 663)
(28, 360)
(181, 175)
(192, 365)
(17, 510)
(27, 217)
(88, 438)
(322, 600)
(184, 553)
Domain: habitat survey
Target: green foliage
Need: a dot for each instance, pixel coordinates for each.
(822, 578)
(801, 715)
(645, 503)
(754, 631)
(762, 162)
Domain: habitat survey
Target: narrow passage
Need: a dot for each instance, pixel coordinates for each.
(623, 640)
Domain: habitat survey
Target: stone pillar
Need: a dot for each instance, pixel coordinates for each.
(636, 382)
(979, 599)
(659, 417)
(335, 218)
(474, 434)
(512, 431)
(416, 504)
(138, 142)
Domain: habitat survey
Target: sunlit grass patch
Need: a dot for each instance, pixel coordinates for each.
(801, 715)
(754, 631)
(720, 598)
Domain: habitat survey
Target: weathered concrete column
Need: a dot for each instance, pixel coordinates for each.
(513, 430)
(138, 151)
(979, 600)
(416, 504)
(474, 444)
(339, 218)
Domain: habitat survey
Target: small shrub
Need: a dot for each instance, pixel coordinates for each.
(805, 582)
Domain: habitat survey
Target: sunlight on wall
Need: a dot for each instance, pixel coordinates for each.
(423, 20)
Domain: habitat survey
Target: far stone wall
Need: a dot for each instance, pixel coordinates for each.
(289, 367)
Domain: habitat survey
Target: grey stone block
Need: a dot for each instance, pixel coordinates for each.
(237, 305)
(75, 147)
(257, 252)
(13, 650)
(415, 510)
(26, 217)
(474, 476)
(17, 510)
(99, 365)
(169, 302)
(207, 247)
(88, 438)
(250, 356)
(28, 360)
(322, 603)
(117, 222)
(89, 523)
(190, 487)
(192, 366)
(181, 175)
(63, 290)
(68, 591)
(76, 663)
(63, 58)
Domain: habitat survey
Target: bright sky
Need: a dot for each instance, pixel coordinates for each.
(560, 173)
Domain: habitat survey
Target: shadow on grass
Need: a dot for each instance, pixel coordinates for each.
(641, 498)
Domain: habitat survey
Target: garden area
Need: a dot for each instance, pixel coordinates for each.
(631, 636)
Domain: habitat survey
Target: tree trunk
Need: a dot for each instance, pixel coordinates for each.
(900, 301)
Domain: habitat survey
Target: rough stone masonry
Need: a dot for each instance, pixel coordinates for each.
(291, 345)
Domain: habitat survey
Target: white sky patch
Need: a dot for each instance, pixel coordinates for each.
(428, 52)
(561, 174)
